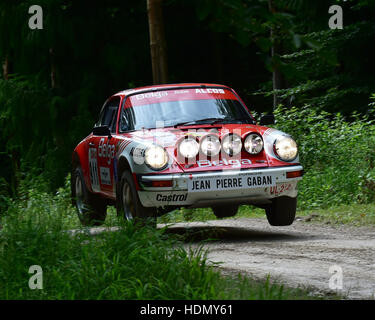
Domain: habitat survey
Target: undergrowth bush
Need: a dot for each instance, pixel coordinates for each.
(338, 155)
(141, 263)
(130, 263)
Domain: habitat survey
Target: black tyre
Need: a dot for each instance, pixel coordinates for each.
(128, 204)
(282, 211)
(225, 211)
(91, 209)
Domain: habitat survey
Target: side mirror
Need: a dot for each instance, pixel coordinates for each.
(267, 119)
(101, 131)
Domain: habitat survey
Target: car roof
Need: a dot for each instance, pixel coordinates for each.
(166, 87)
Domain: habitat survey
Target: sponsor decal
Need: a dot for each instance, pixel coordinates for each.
(259, 181)
(179, 95)
(201, 185)
(105, 175)
(138, 154)
(171, 197)
(181, 91)
(106, 150)
(199, 133)
(221, 91)
(235, 163)
(149, 95)
(231, 183)
(93, 167)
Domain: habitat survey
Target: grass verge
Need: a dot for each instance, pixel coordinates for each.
(355, 214)
(132, 263)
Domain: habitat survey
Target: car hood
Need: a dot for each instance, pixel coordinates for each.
(169, 138)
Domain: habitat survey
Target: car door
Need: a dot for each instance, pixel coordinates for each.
(102, 150)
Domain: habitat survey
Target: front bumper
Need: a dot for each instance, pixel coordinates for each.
(251, 186)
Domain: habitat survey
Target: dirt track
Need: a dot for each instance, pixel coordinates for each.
(299, 255)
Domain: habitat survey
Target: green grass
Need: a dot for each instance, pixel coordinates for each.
(355, 214)
(338, 188)
(131, 263)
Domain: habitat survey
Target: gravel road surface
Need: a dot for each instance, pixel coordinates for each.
(300, 255)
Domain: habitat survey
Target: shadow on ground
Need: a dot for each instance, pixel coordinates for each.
(231, 234)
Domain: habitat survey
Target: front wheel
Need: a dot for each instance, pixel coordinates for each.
(282, 211)
(128, 204)
(90, 208)
(225, 211)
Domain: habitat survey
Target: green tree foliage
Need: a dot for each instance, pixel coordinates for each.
(96, 51)
(60, 76)
(330, 69)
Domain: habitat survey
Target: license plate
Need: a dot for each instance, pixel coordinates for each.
(245, 181)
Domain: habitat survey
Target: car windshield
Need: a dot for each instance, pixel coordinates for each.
(184, 112)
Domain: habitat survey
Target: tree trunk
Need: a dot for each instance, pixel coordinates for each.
(16, 167)
(53, 68)
(14, 154)
(157, 41)
(277, 78)
(6, 68)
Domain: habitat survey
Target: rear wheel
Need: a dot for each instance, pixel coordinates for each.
(91, 209)
(128, 203)
(282, 211)
(225, 211)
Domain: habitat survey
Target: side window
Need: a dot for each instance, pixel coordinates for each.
(124, 121)
(108, 116)
(126, 118)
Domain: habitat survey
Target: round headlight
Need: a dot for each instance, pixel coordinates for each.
(232, 144)
(286, 149)
(253, 143)
(210, 145)
(156, 157)
(189, 148)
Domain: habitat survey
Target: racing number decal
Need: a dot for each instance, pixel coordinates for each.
(106, 150)
(93, 166)
(105, 176)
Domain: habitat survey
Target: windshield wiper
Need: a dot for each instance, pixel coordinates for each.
(210, 121)
(236, 120)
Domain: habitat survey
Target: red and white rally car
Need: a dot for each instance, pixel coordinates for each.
(158, 148)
